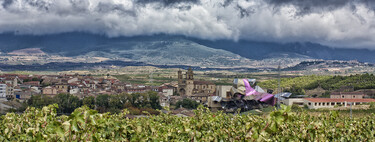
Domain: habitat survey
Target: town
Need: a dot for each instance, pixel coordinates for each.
(22, 87)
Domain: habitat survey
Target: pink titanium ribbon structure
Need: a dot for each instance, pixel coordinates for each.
(249, 89)
(267, 98)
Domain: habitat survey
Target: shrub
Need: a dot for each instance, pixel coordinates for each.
(134, 111)
(150, 110)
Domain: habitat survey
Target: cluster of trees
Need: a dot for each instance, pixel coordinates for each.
(187, 103)
(298, 85)
(357, 82)
(67, 103)
(33, 79)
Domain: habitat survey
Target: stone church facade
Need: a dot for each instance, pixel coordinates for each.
(198, 90)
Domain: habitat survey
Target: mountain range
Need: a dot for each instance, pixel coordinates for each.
(178, 50)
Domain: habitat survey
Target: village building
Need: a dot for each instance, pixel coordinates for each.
(32, 83)
(164, 101)
(316, 103)
(167, 91)
(223, 91)
(187, 86)
(293, 101)
(35, 90)
(12, 81)
(347, 95)
(62, 88)
(74, 90)
(49, 90)
(3, 90)
(200, 98)
(9, 90)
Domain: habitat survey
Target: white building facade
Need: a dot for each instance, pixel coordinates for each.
(3, 90)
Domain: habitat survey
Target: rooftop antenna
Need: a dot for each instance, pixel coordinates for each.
(278, 86)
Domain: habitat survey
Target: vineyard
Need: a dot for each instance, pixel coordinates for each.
(85, 124)
(297, 85)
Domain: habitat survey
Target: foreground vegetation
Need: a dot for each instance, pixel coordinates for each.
(136, 103)
(85, 124)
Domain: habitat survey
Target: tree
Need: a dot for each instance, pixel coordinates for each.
(39, 101)
(154, 100)
(187, 103)
(115, 104)
(35, 79)
(67, 103)
(102, 102)
(135, 99)
(89, 102)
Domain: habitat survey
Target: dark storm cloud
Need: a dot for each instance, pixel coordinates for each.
(308, 4)
(244, 12)
(320, 6)
(167, 2)
(333, 22)
(6, 3)
(104, 7)
(227, 3)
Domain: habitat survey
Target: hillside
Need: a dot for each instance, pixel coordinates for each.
(178, 50)
(298, 85)
(28, 52)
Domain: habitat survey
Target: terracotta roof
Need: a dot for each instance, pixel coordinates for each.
(338, 100)
(347, 93)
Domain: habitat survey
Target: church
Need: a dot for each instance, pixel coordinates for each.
(197, 90)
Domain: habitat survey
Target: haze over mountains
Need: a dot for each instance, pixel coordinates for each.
(178, 50)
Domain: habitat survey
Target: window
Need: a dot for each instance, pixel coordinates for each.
(353, 96)
(343, 96)
(309, 104)
(332, 103)
(316, 104)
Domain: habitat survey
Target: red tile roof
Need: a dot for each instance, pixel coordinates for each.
(347, 93)
(338, 100)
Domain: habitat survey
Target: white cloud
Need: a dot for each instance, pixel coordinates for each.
(341, 24)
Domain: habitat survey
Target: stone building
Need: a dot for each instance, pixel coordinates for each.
(188, 87)
(347, 95)
(62, 88)
(49, 90)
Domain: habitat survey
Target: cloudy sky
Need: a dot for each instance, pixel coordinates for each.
(339, 23)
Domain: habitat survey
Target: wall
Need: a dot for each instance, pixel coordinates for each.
(168, 92)
(221, 90)
(299, 101)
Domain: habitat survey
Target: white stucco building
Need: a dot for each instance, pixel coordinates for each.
(316, 103)
(3, 90)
